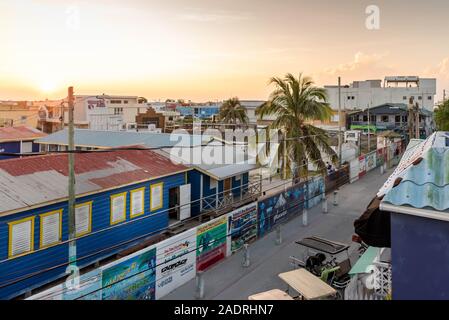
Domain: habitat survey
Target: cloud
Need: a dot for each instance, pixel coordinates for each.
(361, 61)
(441, 70)
(214, 17)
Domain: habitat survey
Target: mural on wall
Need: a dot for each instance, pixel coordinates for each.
(131, 278)
(315, 191)
(370, 161)
(362, 166)
(242, 227)
(211, 242)
(176, 262)
(279, 207)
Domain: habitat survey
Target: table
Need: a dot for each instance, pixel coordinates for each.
(274, 294)
(307, 285)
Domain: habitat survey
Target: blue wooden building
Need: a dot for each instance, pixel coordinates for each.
(18, 139)
(122, 198)
(417, 197)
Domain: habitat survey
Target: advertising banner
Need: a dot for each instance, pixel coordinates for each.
(131, 278)
(362, 166)
(354, 170)
(176, 262)
(370, 161)
(279, 207)
(211, 242)
(315, 191)
(242, 224)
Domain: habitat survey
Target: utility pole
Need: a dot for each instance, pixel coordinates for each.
(71, 156)
(369, 134)
(339, 123)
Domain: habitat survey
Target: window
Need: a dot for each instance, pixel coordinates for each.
(156, 196)
(349, 97)
(118, 111)
(51, 228)
(429, 98)
(404, 98)
(21, 237)
(118, 208)
(137, 202)
(419, 97)
(83, 219)
(404, 118)
(365, 118)
(125, 101)
(116, 101)
(384, 118)
(27, 147)
(372, 118)
(397, 119)
(353, 97)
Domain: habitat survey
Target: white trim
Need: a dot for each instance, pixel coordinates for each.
(424, 213)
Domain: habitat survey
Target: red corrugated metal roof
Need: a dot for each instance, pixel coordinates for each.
(19, 133)
(148, 164)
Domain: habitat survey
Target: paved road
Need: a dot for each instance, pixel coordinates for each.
(230, 281)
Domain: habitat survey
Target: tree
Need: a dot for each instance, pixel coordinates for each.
(294, 102)
(231, 111)
(442, 116)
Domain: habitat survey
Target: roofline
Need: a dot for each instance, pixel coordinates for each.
(418, 212)
(43, 204)
(20, 139)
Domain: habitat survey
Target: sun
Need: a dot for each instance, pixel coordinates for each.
(47, 86)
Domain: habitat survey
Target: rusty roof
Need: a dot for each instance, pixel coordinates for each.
(38, 180)
(19, 133)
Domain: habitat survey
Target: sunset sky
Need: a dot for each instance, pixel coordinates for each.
(208, 50)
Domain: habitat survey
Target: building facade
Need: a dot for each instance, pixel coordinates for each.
(397, 89)
(122, 198)
(19, 139)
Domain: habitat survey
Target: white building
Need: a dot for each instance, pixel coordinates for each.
(106, 112)
(398, 89)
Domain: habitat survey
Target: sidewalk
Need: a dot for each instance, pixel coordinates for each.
(228, 280)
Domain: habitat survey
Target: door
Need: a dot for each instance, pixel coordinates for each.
(184, 202)
(227, 186)
(173, 203)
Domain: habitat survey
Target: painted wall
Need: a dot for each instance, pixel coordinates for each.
(94, 246)
(420, 258)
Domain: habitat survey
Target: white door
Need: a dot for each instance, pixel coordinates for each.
(184, 201)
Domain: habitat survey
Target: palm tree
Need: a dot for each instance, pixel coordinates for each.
(294, 102)
(442, 116)
(231, 111)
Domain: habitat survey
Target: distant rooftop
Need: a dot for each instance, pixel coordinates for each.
(113, 139)
(19, 133)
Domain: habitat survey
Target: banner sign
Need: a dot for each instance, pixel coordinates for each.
(315, 191)
(279, 207)
(362, 166)
(132, 277)
(176, 262)
(211, 242)
(242, 225)
(370, 161)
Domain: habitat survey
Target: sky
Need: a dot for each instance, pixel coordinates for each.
(207, 50)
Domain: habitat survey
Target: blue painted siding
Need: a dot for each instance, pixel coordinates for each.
(194, 178)
(13, 147)
(420, 258)
(94, 246)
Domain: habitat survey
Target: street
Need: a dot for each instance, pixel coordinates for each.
(228, 280)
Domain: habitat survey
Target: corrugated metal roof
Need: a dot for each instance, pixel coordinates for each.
(19, 133)
(113, 139)
(217, 159)
(36, 180)
(422, 177)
